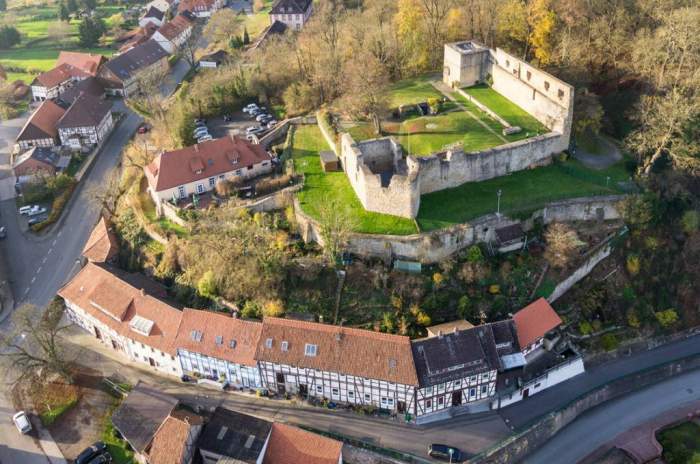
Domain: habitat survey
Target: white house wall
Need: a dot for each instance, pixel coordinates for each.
(439, 397)
(552, 377)
(236, 374)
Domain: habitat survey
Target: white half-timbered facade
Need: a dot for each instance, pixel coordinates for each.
(219, 347)
(331, 362)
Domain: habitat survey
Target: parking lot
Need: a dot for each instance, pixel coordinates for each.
(236, 125)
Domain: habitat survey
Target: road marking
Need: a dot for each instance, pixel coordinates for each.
(33, 279)
(26, 290)
(53, 243)
(50, 250)
(43, 261)
(38, 270)
(58, 234)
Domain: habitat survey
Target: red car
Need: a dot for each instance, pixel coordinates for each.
(143, 128)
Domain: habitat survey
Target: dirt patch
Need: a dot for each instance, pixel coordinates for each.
(52, 398)
(82, 425)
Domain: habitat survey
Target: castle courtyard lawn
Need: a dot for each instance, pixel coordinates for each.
(506, 109)
(320, 188)
(523, 192)
(416, 90)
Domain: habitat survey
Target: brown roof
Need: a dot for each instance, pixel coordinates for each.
(242, 335)
(86, 111)
(292, 445)
(201, 161)
(42, 123)
(58, 75)
(175, 27)
(195, 5)
(115, 303)
(169, 445)
(102, 244)
(534, 321)
(88, 62)
(362, 353)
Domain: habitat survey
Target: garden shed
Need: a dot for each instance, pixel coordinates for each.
(329, 161)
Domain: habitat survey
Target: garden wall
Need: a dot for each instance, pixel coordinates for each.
(585, 269)
(280, 130)
(431, 247)
(484, 108)
(455, 167)
(517, 447)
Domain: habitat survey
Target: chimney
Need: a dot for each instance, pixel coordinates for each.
(454, 330)
(439, 333)
(143, 292)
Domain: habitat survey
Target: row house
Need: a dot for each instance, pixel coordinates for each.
(122, 74)
(177, 174)
(50, 84)
(173, 34)
(533, 322)
(36, 162)
(86, 122)
(152, 16)
(218, 347)
(135, 37)
(200, 8)
(347, 365)
(87, 62)
(40, 129)
(163, 5)
(292, 13)
(122, 316)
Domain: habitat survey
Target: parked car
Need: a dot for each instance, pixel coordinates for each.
(254, 130)
(200, 120)
(22, 422)
(199, 124)
(271, 124)
(200, 131)
(446, 453)
(204, 138)
(228, 118)
(24, 210)
(36, 210)
(36, 220)
(143, 128)
(262, 116)
(255, 112)
(250, 107)
(92, 451)
(3, 232)
(104, 458)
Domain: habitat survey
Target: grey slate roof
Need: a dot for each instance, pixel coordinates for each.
(290, 6)
(127, 64)
(86, 111)
(228, 432)
(141, 414)
(217, 57)
(91, 86)
(45, 155)
(154, 12)
(455, 355)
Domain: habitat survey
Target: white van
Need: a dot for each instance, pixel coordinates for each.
(22, 422)
(24, 210)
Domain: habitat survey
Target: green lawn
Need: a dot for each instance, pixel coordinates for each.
(116, 446)
(49, 417)
(321, 188)
(257, 22)
(681, 444)
(414, 90)
(522, 193)
(425, 135)
(506, 109)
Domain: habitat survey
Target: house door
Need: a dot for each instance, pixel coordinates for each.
(401, 406)
(303, 391)
(114, 345)
(526, 393)
(98, 335)
(280, 383)
(151, 362)
(457, 398)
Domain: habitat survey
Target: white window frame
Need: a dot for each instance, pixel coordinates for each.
(310, 349)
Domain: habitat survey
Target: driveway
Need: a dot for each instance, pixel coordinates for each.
(220, 128)
(597, 426)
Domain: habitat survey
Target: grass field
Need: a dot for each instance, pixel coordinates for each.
(681, 444)
(506, 109)
(522, 193)
(416, 90)
(322, 188)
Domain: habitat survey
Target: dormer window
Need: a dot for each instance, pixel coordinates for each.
(392, 364)
(268, 343)
(546, 85)
(284, 346)
(219, 340)
(232, 344)
(196, 335)
(310, 349)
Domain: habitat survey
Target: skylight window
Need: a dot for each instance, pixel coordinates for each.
(268, 343)
(219, 340)
(284, 346)
(232, 344)
(310, 350)
(196, 335)
(141, 325)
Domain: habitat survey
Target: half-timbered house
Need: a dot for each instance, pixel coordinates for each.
(340, 364)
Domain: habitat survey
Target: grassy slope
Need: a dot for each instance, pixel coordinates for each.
(523, 191)
(415, 90)
(506, 109)
(321, 188)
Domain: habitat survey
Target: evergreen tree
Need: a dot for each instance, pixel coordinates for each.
(246, 37)
(9, 36)
(63, 13)
(72, 6)
(90, 31)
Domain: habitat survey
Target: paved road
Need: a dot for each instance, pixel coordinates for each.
(522, 413)
(599, 425)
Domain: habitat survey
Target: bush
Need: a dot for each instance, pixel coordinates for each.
(273, 308)
(609, 342)
(206, 285)
(251, 310)
(266, 186)
(633, 265)
(56, 209)
(9, 37)
(474, 254)
(690, 221)
(585, 328)
(667, 317)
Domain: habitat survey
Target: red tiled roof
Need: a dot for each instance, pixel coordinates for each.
(58, 75)
(42, 123)
(175, 27)
(115, 303)
(212, 325)
(102, 244)
(292, 445)
(534, 321)
(201, 161)
(169, 445)
(88, 62)
(195, 5)
(357, 352)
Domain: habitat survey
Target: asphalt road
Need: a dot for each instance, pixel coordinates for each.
(524, 412)
(601, 424)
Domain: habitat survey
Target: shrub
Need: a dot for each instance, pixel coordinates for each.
(690, 221)
(585, 328)
(422, 318)
(667, 317)
(9, 36)
(633, 265)
(273, 308)
(251, 310)
(265, 186)
(56, 209)
(494, 289)
(206, 285)
(609, 342)
(474, 254)
(438, 279)
(633, 319)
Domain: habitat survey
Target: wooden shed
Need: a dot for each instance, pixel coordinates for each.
(329, 162)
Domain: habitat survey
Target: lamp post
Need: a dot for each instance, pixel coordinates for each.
(450, 451)
(498, 207)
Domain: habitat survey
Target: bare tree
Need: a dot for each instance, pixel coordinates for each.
(222, 26)
(336, 226)
(105, 194)
(366, 88)
(33, 344)
(562, 243)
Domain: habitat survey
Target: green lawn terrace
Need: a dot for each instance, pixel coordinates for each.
(460, 122)
(39, 49)
(324, 188)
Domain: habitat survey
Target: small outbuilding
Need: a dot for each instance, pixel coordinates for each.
(213, 60)
(510, 238)
(329, 161)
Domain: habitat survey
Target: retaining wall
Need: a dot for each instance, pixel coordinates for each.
(431, 247)
(580, 273)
